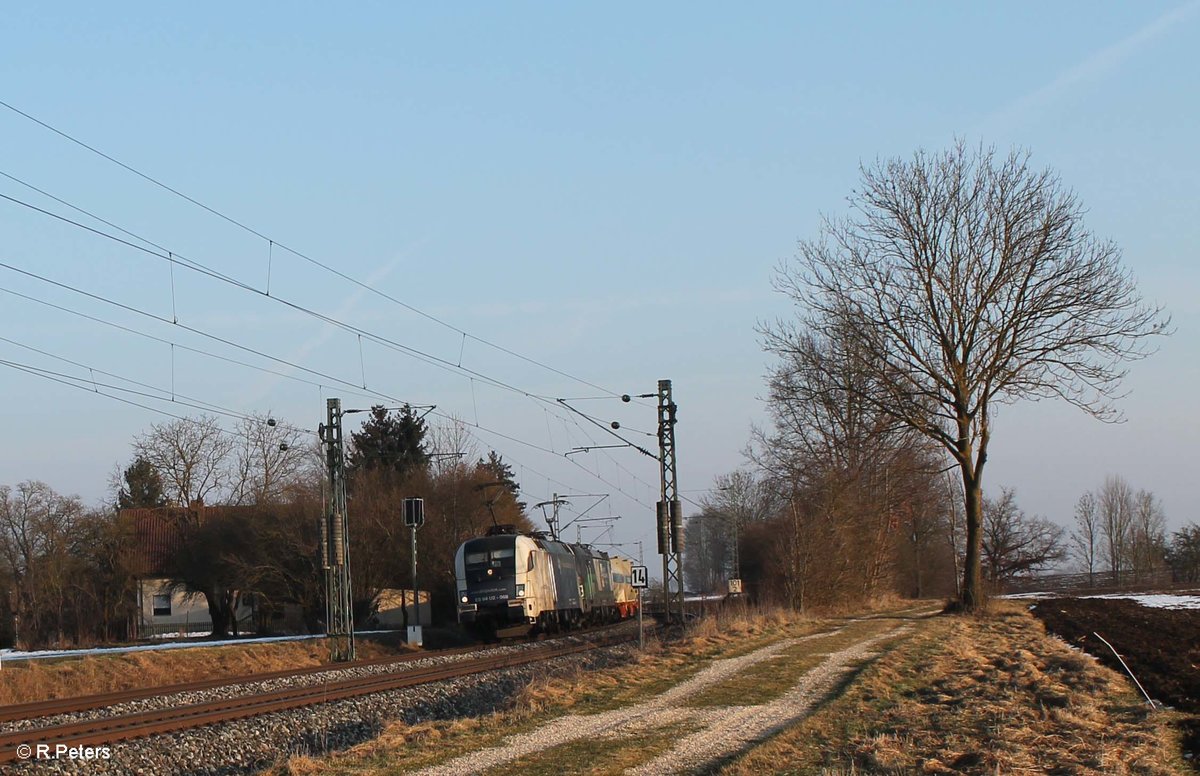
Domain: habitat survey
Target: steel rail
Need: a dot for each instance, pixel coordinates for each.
(125, 727)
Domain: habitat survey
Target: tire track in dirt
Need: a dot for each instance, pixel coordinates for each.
(737, 727)
(724, 730)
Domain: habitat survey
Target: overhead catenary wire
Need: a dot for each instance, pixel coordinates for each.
(534, 446)
(186, 401)
(192, 329)
(171, 343)
(161, 394)
(73, 383)
(261, 354)
(173, 258)
(272, 243)
(176, 258)
(93, 386)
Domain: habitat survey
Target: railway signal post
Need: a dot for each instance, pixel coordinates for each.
(414, 518)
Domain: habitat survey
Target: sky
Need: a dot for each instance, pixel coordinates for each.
(527, 202)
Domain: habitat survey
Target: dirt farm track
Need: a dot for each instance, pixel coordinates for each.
(1161, 646)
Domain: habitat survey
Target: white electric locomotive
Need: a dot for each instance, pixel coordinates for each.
(510, 584)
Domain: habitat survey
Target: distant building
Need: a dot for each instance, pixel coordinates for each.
(391, 607)
(156, 533)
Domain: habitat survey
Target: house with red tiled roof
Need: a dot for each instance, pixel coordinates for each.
(165, 608)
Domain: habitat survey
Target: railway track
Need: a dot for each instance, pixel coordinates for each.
(47, 708)
(110, 730)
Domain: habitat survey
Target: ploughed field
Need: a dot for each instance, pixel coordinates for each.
(1161, 646)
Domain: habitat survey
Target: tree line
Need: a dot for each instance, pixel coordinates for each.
(842, 541)
(243, 507)
(960, 281)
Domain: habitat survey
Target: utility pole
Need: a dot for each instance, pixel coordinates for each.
(335, 541)
(669, 512)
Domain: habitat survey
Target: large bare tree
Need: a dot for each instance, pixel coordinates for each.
(190, 455)
(269, 458)
(960, 281)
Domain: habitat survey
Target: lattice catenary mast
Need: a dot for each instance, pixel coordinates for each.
(669, 512)
(335, 542)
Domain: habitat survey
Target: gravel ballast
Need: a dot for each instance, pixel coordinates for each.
(249, 745)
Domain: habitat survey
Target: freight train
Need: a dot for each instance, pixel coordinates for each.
(512, 584)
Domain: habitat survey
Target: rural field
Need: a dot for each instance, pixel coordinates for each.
(1159, 643)
(902, 690)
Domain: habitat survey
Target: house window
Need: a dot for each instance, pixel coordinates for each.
(162, 606)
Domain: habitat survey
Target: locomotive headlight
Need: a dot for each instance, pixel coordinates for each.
(520, 591)
(490, 572)
(464, 599)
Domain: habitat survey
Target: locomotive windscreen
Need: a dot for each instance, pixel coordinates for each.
(490, 550)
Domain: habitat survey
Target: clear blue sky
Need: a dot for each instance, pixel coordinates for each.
(605, 188)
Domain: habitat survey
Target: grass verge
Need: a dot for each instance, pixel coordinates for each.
(991, 695)
(26, 681)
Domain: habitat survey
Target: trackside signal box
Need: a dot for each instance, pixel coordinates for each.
(414, 512)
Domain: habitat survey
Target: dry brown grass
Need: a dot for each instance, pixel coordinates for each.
(603, 756)
(660, 667)
(767, 680)
(404, 747)
(25, 681)
(987, 694)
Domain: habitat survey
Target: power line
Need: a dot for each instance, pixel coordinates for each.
(273, 243)
(93, 386)
(195, 266)
(177, 259)
(207, 335)
(163, 340)
(194, 330)
(83, 383)
(75, 382)
(174, 258)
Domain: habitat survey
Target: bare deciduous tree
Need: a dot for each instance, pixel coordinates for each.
(1148, 546)
(737, 500)
(1015, 543)
(450, 443)
(269, 458)
(1116, 524)
(35, 543)
(1085, 539)
(190, 454)
(964, 280)
(852, 475)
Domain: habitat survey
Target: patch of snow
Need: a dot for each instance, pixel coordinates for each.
(44, 654)
(1153, 600)
(1157, 600)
